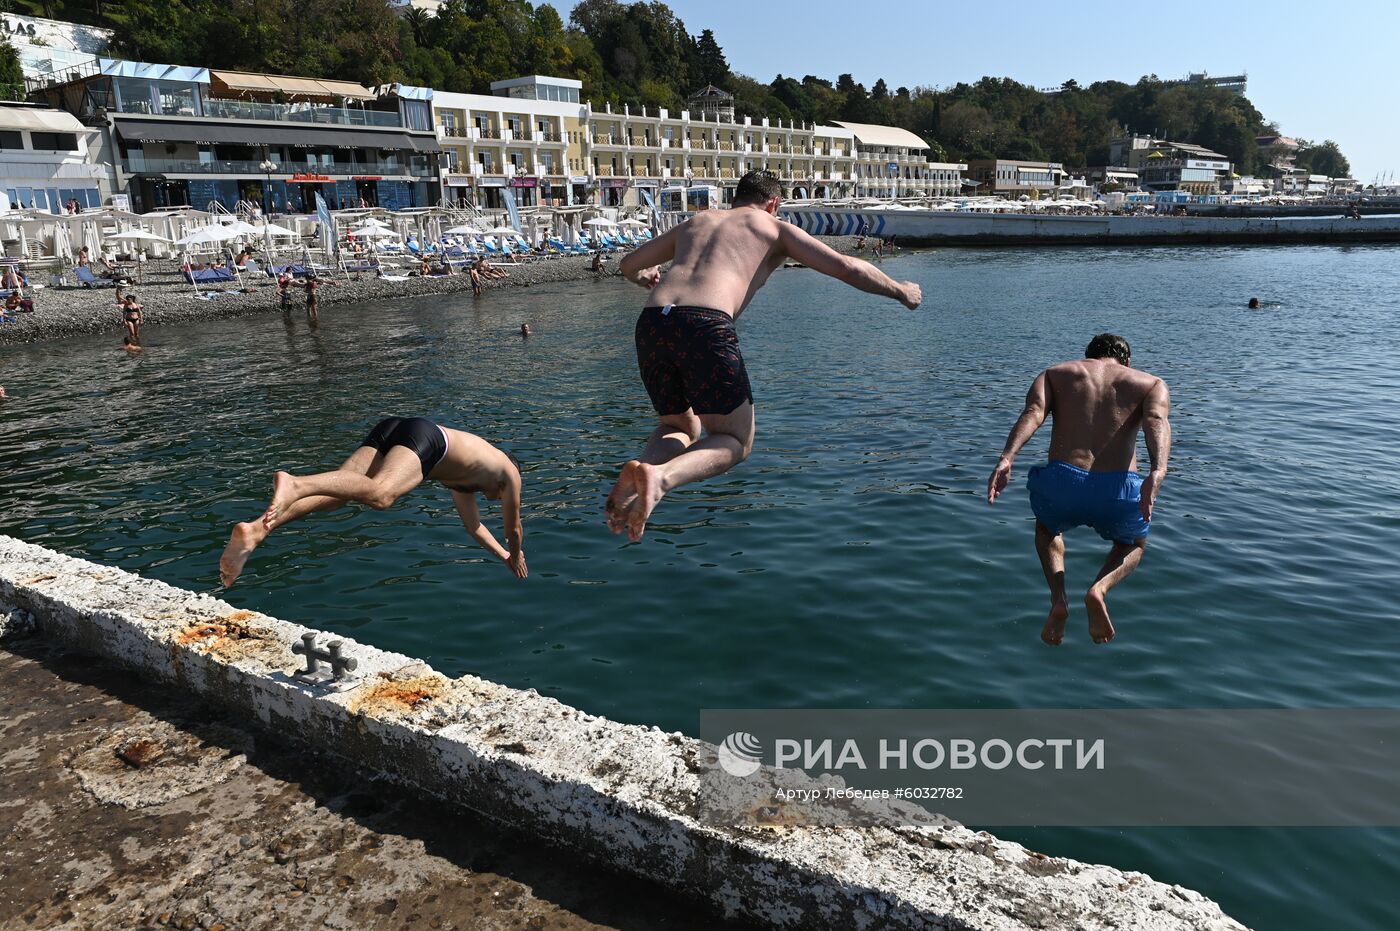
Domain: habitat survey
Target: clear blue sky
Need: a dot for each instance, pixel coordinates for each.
(1320, 70)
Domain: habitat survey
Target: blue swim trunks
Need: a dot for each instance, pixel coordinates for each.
(1065, 496)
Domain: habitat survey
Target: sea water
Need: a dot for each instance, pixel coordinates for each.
(853, 561)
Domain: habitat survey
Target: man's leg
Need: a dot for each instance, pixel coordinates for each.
(248, 535)
(400, 472)
(1121, 561)
(728, 442)
(1051, 549)
(673, 437)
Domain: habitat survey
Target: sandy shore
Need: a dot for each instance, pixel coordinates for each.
(168, 298)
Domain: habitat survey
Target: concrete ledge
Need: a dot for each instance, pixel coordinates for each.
(621, 794)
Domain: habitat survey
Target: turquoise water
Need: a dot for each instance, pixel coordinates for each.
(853, 560)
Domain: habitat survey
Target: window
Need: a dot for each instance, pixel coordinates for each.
(11, 140)
(56, 142)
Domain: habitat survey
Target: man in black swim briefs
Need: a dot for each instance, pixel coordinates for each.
(688, 346)
(398, 455)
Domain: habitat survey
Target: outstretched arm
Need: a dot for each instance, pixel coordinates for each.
(471, 519)
(1032, 416)
(1157, 429)
(515, 533)
(857, 273)
(643, 265)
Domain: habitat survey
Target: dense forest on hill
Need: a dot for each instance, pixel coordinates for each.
(640, 53)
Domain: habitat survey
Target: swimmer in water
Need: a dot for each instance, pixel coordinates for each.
(398, 455)
(524, 329)
(1254, 303)
(1099, 405)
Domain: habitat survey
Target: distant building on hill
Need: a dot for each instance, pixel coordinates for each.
(49, 46)
(1237, 83)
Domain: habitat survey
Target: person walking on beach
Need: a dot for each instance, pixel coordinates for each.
(131, 314)
(1099, 405)
(688, 347)
(398, 455)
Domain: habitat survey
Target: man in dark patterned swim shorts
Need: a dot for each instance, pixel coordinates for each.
(688, 347)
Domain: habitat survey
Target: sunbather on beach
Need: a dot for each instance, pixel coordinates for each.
(398, 455)
(688, 347)
(1099, 405)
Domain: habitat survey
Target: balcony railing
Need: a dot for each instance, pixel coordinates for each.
(299, 113)
(254, 169)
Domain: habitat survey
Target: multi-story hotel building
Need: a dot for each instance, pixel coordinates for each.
(178, 135)
(535, 137)
(1007, 177)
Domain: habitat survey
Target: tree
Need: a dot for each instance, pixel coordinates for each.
(713, 69)
(1323, 158)
(11, 75)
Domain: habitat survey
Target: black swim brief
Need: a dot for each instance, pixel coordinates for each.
(689, 358)
(424, 437)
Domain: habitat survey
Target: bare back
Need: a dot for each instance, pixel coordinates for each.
(471, 463)
(722, 258)
(1097, 406)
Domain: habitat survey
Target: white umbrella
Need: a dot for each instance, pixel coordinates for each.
(243, 229)
(462, 231)
(630, 222)
(139, 235)
(505, 231)
(374, 232)
(599, 221)
(208, 234)
(272, 229)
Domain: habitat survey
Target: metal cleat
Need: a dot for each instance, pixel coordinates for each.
(338, 676)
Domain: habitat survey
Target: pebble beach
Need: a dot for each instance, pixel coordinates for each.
(168, 298)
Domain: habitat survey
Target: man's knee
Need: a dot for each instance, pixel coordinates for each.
(382, 497)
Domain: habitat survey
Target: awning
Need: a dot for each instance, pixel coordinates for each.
(296, 87)
(41, 119)
(887, 136)
(213, 131)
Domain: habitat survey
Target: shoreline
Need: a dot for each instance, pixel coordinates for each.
(169, 299)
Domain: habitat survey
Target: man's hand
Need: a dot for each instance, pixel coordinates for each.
(999, 479)
(648, 277)
(516, 564)
(1150, 486)
(913, 295)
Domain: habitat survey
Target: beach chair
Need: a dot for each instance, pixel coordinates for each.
(88, 280)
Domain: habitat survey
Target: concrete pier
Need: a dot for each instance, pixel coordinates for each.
(622, 795)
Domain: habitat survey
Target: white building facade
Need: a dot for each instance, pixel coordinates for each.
(44, 160)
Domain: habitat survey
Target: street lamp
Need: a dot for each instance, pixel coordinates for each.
(268, 166)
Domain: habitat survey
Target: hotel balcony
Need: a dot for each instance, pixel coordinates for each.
(173, 166)
(286, 113)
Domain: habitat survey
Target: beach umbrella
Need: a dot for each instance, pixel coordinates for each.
(272, 229)
(208, 235)
(505, 231)
(599, 221)
(374, 232)
(138, 235)
(462, 231)
(631, 222)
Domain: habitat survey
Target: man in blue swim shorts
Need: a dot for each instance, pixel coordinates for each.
(1099, 405)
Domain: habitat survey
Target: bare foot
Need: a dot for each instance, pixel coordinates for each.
(241, 543)
(647, 480)
(624, 494)
(283, 494)
(1100, 627)
(1053, 632)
